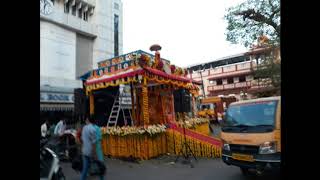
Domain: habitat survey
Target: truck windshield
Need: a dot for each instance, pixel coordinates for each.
(207, 106)
(251, 114)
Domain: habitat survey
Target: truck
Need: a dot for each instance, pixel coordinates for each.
(251, 135)
(212, 106)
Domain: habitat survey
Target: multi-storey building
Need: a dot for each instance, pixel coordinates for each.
(74, 36)
(232, 75)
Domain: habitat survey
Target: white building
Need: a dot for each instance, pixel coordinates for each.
(232, 75)
(74, 36)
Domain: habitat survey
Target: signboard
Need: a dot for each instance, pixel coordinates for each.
(125, 93)
(124, 61)
(56, 97)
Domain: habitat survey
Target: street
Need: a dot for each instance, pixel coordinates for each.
(163, 168)
(109, 85)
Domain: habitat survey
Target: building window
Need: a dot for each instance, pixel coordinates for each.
(116, 35)
(85, 16)
(230, 80)
(66, 7)
(116, 6)
(80, 13)
(242, 79)
(74, 10)
(211, 81)
(219, 81)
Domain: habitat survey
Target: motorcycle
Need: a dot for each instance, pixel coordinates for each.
(64, 146)
(49, 163)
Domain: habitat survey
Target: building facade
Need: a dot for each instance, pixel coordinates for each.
(74, 36)
(231, 75)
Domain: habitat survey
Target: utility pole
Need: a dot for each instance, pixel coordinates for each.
(204, 93)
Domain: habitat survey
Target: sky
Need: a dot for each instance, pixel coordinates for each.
(189, 31)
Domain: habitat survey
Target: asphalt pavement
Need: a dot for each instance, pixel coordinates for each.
(164, 168)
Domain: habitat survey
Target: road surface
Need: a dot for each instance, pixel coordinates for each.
(164, 168)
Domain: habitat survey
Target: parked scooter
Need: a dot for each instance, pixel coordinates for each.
(49, 163)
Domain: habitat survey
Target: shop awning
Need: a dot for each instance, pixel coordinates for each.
(56, 107)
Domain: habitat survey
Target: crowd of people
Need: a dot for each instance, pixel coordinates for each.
(88, 135)
(48, 130)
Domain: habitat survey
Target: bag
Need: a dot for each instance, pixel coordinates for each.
(97, 168)
(77, 163)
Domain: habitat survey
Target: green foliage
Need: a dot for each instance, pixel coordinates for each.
(251, 19)
(269, 70)
(246, 23)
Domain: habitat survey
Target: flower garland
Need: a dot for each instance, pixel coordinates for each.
(134, 130)
(173, 82)
(199, 147)
(107, 84)
(145, 103)
(192, 122)
(173, 68)
(144, 60)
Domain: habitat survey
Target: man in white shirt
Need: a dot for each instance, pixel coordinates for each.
(44, 129)
(219, 117)
(60, 128)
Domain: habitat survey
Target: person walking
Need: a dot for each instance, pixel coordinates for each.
(89, 152)
(99, 152)
(59, 138)
(220, 118)
(60, 128)
(44, 129)
(51, 130)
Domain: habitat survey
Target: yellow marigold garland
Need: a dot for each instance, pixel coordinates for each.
(102, 85)
(192, 122)
(201, 149)
(145, 105)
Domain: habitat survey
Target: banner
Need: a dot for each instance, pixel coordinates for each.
(199, 136)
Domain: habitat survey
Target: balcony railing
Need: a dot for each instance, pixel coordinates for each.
(231, 68)
(230, 86)
(242, 84)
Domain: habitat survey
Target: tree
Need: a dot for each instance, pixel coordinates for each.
(268, 71)
(252, 19)
(258, 20)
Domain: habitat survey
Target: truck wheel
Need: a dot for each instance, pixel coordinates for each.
(245, 171)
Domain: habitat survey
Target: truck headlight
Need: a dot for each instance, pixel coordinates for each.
(267, 148)
(226, 147)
